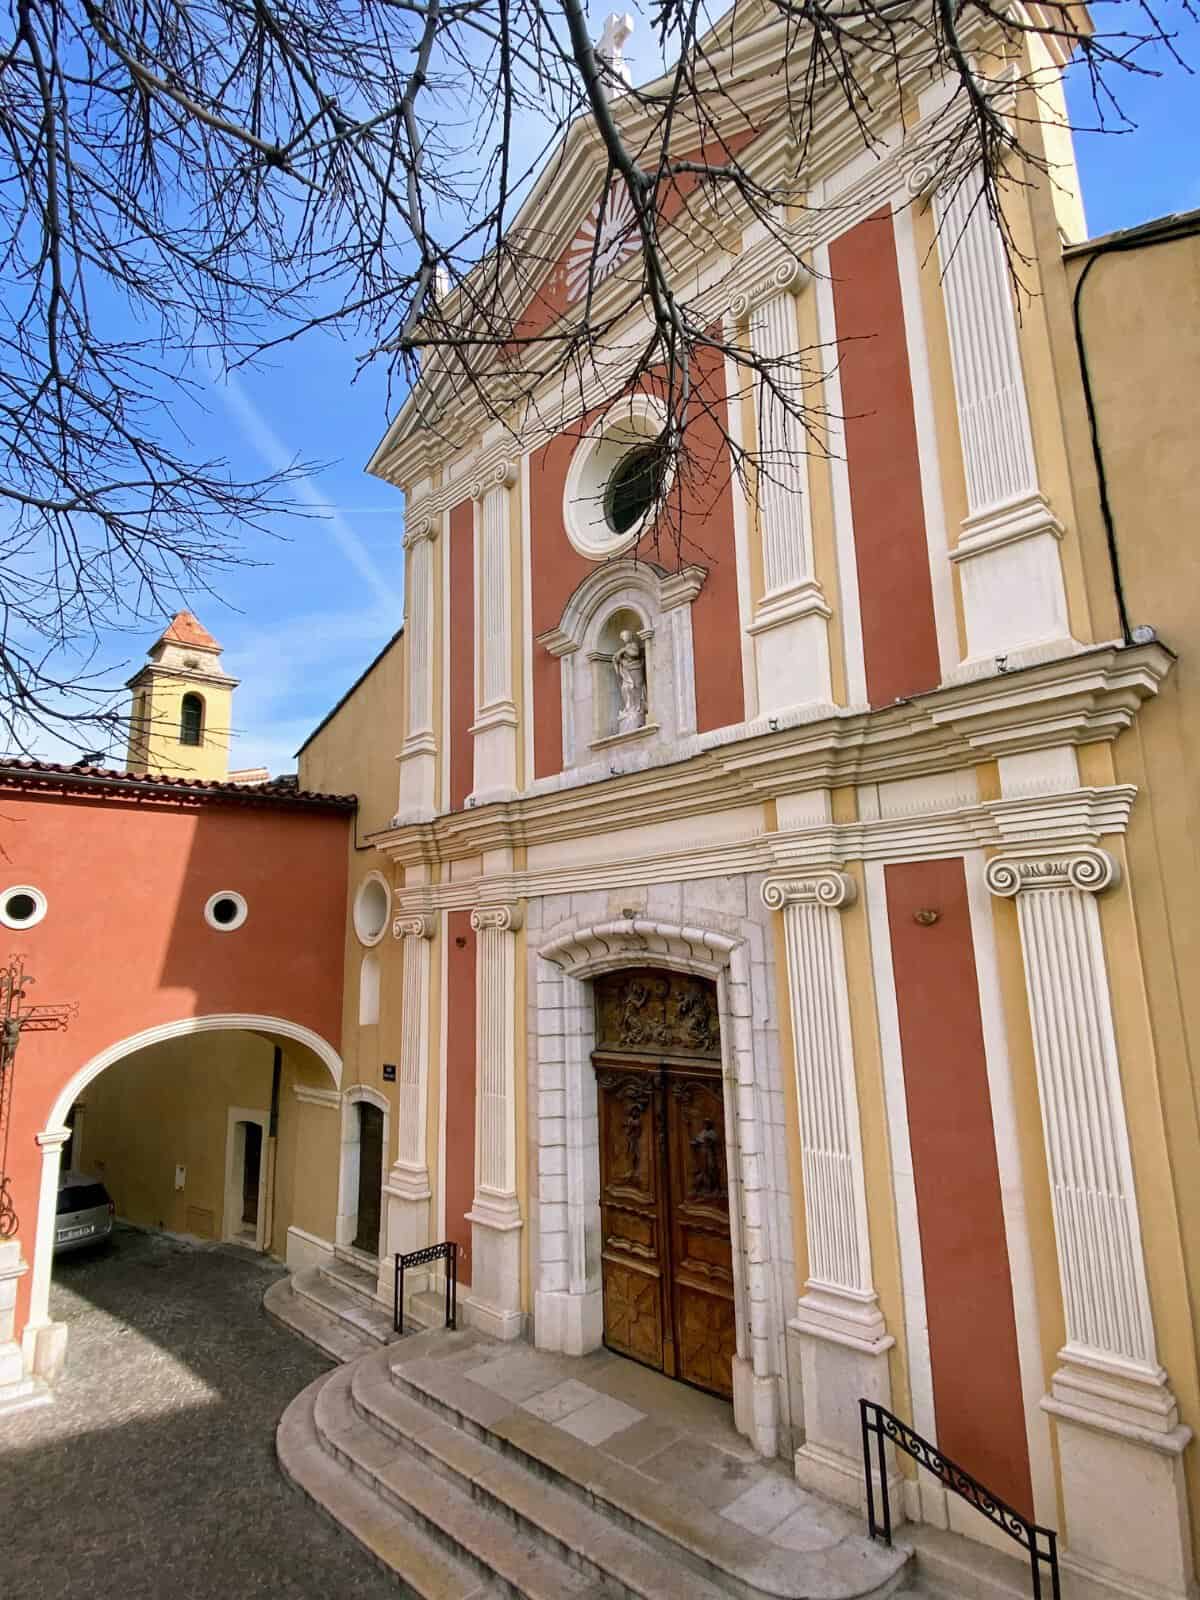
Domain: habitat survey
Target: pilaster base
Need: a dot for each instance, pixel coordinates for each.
(493, 1302)
(1120, 1446)
(756, 1408)
(407, 1230)
(1013, 594)
(572, 1324)
(45, 1350)
(791, 652)
(843, 1344)
(12, 1267)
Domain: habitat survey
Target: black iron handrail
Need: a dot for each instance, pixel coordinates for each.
(1040, 1543)
(447, 1252)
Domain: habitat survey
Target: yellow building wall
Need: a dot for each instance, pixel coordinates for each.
(154, 729)
(169, 1106)
(1140, 325)
(354, 751)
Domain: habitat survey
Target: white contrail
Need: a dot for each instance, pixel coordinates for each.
(271, 449)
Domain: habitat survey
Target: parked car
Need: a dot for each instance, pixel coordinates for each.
(85, 1212)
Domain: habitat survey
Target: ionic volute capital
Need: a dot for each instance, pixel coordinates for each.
(418, 925)
(1089, 870)
(836, 890)
(790, 276)
(496, 475)
(507, 918)
(420, 525)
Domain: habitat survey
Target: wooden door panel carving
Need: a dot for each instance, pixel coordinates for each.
(664, 1185)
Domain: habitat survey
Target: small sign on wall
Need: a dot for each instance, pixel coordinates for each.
(389, 1072)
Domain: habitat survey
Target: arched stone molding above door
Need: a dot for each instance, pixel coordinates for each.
(568, 1301)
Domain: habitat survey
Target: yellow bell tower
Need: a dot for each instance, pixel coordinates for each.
(180, 720)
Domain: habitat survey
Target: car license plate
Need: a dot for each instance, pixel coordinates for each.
(77, 1233)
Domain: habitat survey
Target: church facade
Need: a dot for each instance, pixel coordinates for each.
(773, 992)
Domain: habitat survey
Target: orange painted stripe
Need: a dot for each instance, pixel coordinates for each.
(968, 1281)
(460, 1084)
(895, 590)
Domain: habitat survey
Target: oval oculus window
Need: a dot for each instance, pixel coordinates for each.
(635, 487)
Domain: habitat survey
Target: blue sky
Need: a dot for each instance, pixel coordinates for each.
(299, 627)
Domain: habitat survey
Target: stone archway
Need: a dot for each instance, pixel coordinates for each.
(568, 1314)
(44, 1341)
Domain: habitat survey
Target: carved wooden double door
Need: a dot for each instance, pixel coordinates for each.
(664, 1188)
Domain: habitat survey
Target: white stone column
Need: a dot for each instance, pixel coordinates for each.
(495, 725)
(407, 1191)
(842, 1336)
(43, 1342)
(1014, 600)
(418, 754)
(790, 625)
(494, 1301)
(1119, 1436)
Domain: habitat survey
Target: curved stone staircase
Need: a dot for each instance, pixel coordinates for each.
(464, 1491)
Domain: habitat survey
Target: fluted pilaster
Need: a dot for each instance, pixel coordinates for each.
(1101, 1264)
(411, 1170)
(495, 725)
(1120, 1441)
(418, 755)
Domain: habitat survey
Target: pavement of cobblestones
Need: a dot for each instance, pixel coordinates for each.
(153, 1473)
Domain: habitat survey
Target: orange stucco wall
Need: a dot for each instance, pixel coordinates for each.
(968, 1282)
(895, 592)
(460, 1084)
(125, 941)
(703, 514)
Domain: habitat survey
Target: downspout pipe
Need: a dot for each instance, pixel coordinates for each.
(1169, 231)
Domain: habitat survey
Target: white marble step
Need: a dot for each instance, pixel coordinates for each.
(328, 1333)
(316, 1285)
(354, 1279)
(475, 1535)
(426, 1568)
(558, 1522)
(706, 1548)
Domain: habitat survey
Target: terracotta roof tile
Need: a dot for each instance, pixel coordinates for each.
(24, 772)
(184, 628)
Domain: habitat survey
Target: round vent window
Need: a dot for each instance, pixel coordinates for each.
(372, 906)
(618, 479)
(225, 910)
(22, 906)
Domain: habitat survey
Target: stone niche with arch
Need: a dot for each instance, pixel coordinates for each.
(636, 606)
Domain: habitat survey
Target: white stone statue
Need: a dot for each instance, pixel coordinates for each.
(629, 664)
(610, 52)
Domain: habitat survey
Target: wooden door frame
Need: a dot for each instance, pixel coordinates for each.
(346, 1225)
(568, 1311)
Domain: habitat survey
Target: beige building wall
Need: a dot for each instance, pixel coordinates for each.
(169, 1106)
(1139, 325)
(354, 751)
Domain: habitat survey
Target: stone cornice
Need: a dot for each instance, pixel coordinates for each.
(1078, 699)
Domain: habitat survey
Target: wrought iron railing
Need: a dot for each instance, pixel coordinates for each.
(1041, 1544)
(447, 1252)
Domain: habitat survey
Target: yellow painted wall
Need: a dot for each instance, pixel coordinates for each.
(1140, 321)
(355, 752)
(168, 1106)
(154, 728)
